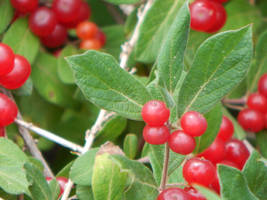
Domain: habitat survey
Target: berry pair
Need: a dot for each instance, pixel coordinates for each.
(62, 181)
(254, 118)
(14, 69)
(207, 15)
(92, 37)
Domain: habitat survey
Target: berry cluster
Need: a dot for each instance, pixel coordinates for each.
(62, 181)
(254, 118)
(207, 15)
(51, 24)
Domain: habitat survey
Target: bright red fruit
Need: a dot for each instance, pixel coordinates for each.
(55, 39)
(155, 113)
(8, 110)
(265, 120)
(181, 143)
(62, 181)
(6, 59)
(86, 30)
(2, 131)
(194, 123)
(262, 85)
(251, 120)
(215, 152)
(101, 37)
(90, 44)
(226, 129)
(156, 135)
(42, 21)
(19, 74)
(25, 6)
(236, 152)
(196, 195)
(199, 171)
(174, 194)
(221, 16)
(203, 15)
(257, 102)
(67, 11)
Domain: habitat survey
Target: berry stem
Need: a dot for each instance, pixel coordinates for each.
(235, 107)
(241, 101)
(165, 168)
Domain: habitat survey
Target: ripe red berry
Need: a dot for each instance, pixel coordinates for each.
(42, 21)
(196, 195)
(262, 85)
(174, 194)
(215, 152)
(251, 120)
(86, 30)
(203, 15)
(181, 143)
(220, 17)
(226, 129)
(155, 113)
(55, 39)
(2, 131)
(8, 110)
(6, 59)
(101, 37)
(194, 123)
(25, 6)
(199, 171)
(156, 135)
(257, 102)
(67, 11)
(62, 181)
(236, 152)
(90, 44)
(265, 120)
(19, 74)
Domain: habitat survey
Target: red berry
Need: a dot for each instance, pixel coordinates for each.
(155, 113)
(90, 44)
(251, 120)
(220, 1)
(257, 102)
(236, 152)
(67, 11)
(2, 131)
(86, 30)
(181, 143)
(221, 16)
(226, 129)
(262, 85)
(62, 181)
(19, 74)
(199, 171)
(8, 110)
(229, 163)
(215, 152)
(203, 15)
(196, 195)
(6, 59)
(156, 135)
(194, 123)
(42, 21)
(25, 6)
(57, 38)
(265, 120)
(101, 37)
(174, 194)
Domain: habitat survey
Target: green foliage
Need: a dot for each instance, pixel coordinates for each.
(261, 138)
(130, 145)
(210, 195)
(6, 14)
(84, 192)
(122, 1)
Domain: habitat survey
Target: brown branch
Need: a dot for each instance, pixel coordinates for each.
(115, 13)
(165, 168)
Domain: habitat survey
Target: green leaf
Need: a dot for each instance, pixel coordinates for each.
(54, 188)
(65, 73)
(39, 188)
(170, 60)
(6, 14)
(142, 184)
(105, 84)
(154, 28)
(65, 170)
(82, 169)
(130, 145)
(47, 83)
(25, 89)
(233, 184)
(22, 40)
(84, 192)
(12, 175)
(37, 163)
(118, 2)
(214, 119)
(111, 130)
(156, 156)
(256, 174)
(210, 195)
(261, 139)
(108, 181)
(221, 62)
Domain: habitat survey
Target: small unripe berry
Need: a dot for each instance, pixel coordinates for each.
(90, 44)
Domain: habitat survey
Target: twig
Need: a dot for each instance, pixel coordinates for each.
(144, 160)
(176, 184)
(29, 141)
(241, 101)
(165, 168)
(114, 12)
(235, 107)
(50, 136)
